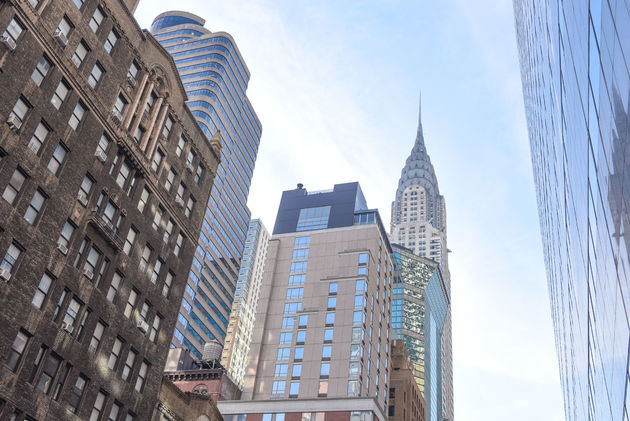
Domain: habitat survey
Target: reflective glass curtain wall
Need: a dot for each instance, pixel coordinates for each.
(574, 59)
(215, 78)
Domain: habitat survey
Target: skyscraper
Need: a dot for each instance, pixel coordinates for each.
(574, 66)
(320, 349)
(94, 252)
(241, 325)
(215, 78)
(419, 224)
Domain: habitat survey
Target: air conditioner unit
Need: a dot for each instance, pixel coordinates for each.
(190, 167)
(67, 327)
(82, 198)
(143, 326)
(102, 156)
(14, 122)
(131, 80)
(179, 201)
(61, 38)
(8, 42)
(5, 274)
(88, 274)
(63, 249)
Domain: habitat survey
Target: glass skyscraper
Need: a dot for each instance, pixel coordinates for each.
(574, 59)
(215, 78)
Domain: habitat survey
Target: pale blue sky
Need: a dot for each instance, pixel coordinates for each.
(335, 85)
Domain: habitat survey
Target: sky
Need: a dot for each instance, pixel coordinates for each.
(336, 86)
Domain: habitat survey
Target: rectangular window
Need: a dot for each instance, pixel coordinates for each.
(119, 109)
(278, 387)
(155, 328)
(38, 138)
(298, 267)
(332, 303)
(137, 135)
(170, 178)
(167, 284)
(142, 375)
(113, 413)
(42, 291)
(292, 308)
(302, 320)
(95, 75)
(168, 231)
(189, 206)
(19, 111)
(156, 270)
(178, 244)
(283, 354)
(328, 335)
(131, 303)
(158, 157)
(79, 54)
(294, 389)
(168, 126)
(288, 322)
(14, 30)
(286, 338)
(129, 362)
(113, 287)
(326, 351)
(97, 19)
(301, 242)
(64, 28)
(57, 158)
(144, 198)
(61, 379)
(301, 337)
(133, 70)
(131, 237)
(85, 189)
(77, 394)
(295, 293)
(157, 218)
(51, 365)
(71, 312)
(34, 207)
(96, 337)
(41, 70)
(15, 185)
(150, 101)
(199, 173)
(144, 261)
(180, 146)
(313, 218)
(11, 257)
(17, 351)
(296, 372)
(332, 288)
(300, 254)
(78, 3)
(330, 318)
(60, 94)
(299, 353)
(77, 115)
(324, 370)
(97, 409)
(112, 362)
(123, 174)
(111, 40)
(103, 145)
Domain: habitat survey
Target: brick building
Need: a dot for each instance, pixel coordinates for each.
(406, 402)
(104, 176)
(175, 405)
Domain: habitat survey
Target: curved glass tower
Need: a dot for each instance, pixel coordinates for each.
(215, 78)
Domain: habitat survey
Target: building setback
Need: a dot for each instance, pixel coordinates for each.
(241, 326)
(320, 349)
(574, 65)
(419, 224)
(95, 251)
(215, 78)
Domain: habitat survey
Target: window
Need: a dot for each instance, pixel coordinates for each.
(324, 370)
(150, 101)
(359, 301)
(76, 394)
(296, 371)
(131, 237)
(180, 146)
(115, 354)
(332, 288)
(357, 318)
(300, 254)
(167, 284)
(82, 323)
(96, 337)
(156, 270)
(330, 318)
(144, 261)
(354, 387)
(71, 312)
(355, 351)
(91, 262)
(133, 70)
(281, 370)
(11, 257)
(158, 156)
(17, 350)
(96, 20)
(278, 387)
(189, 206)
(295, 293)
(288, 322)
(137, 135)
(113, 287)
(283, 354)
(113, 413)
(77, 115)
(360, 287)
(354, 369)
(119, 109)
(111, 40)
(181, 189)
(103, 144)
(299, 353)
(302, 320)
(328, 335)
(85, 189)
(60, 94)
(144, 198)
(41, 70)
(123, 174)
(157, 218)
(326, 351)
(128, 367)
(78, 3)
(298, 267)
(199, 173)
(14, 30)
(20, 109)
(155, 328)
(130, 416)
(168, 231)
(301, 242)
(323, 388)
(131, 303)
(79, 54)
(170, 178)
(95, 74)
(38, 138)
(57, 159)
(292, 308)
(178, 244)
(64, 27)
(35, 207)
(142, 375)
(364, 258)
(285, 338)
(61, 379)
(301, 337)
(15, 185)
(42, 291)
(99, 403)
(332, 302)
(313, 218)
(48, 373)
(168, 126)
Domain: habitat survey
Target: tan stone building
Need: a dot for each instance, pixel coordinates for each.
(405, 399)
(175, 405)
(100, 212)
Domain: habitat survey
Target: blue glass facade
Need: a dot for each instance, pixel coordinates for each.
(215, 78)
(575, 58)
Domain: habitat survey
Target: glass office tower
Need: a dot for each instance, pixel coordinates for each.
(574, 59)
(215, 78)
